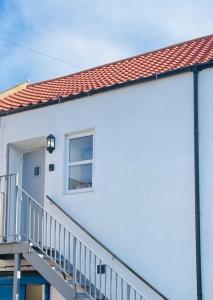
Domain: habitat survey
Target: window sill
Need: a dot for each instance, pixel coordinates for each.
(78, 191)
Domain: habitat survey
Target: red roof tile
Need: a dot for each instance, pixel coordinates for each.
(198, 51)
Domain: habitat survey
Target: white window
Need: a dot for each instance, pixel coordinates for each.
(80, 162)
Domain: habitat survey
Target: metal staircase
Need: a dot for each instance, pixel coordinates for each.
(60, 256)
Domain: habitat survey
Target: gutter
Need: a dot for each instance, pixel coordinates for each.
(94, 92)
(197, 184)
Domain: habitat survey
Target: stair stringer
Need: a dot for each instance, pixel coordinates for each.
(52, 276)
(148, 291)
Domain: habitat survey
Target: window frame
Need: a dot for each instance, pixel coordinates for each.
(75, 135)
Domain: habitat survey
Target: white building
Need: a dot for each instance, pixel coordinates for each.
(123, 204)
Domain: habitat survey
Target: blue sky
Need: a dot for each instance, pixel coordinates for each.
(91, 32)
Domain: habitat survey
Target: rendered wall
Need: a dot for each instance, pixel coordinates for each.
(142, 206)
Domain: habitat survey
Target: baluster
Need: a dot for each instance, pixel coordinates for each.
(105, 292)
(34, 222)
(74, 265)
(64, 245)
(8, 194)
(59, 244)
(51, 254)
(7, 203)
(69, 249)
(55, 237)
(2, 211)
(42, 229)
(29, 221)
(7, 208)
(85, 267)
(110, 284)
(90, 275)
(128, 291)
(80, 275)
(95, 267)
(116, 286)
(38, 226)
(37, 223)
(100, 279)
(122, 289)
(46, 222)
(17, 219)
(6, 189)
(44, 236)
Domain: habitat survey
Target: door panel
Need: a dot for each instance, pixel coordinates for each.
(34, 292)
(33, 174)
(33, 183)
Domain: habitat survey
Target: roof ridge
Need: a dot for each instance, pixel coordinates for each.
(121, 60)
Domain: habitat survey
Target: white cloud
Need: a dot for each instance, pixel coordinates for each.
(75, 49)
(92, 32)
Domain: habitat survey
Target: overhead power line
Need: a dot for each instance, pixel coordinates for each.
(39, 52)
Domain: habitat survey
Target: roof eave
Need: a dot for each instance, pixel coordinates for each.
(105, 89)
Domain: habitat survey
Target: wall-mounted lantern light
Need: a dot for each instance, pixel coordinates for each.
(50, 143)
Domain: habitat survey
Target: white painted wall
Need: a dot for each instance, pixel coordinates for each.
(206, 177)
(142, 206)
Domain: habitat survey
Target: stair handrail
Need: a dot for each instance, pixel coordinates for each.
(109, 267)
(129, 287)
(8, 175)
(106, 248)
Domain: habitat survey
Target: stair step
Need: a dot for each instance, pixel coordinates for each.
(54, 277)
(83, 297)
(82, 290)
(57, 269)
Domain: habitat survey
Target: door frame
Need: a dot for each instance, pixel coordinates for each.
(20, 175)
(22, 146)
(19, 169)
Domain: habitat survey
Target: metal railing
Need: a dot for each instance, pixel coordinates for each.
(73, 257)
(8, 191)
(66, 252)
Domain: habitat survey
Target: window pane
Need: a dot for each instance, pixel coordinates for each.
(81, 148)
(80, 177)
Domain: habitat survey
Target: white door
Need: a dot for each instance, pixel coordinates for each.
(34, 173)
